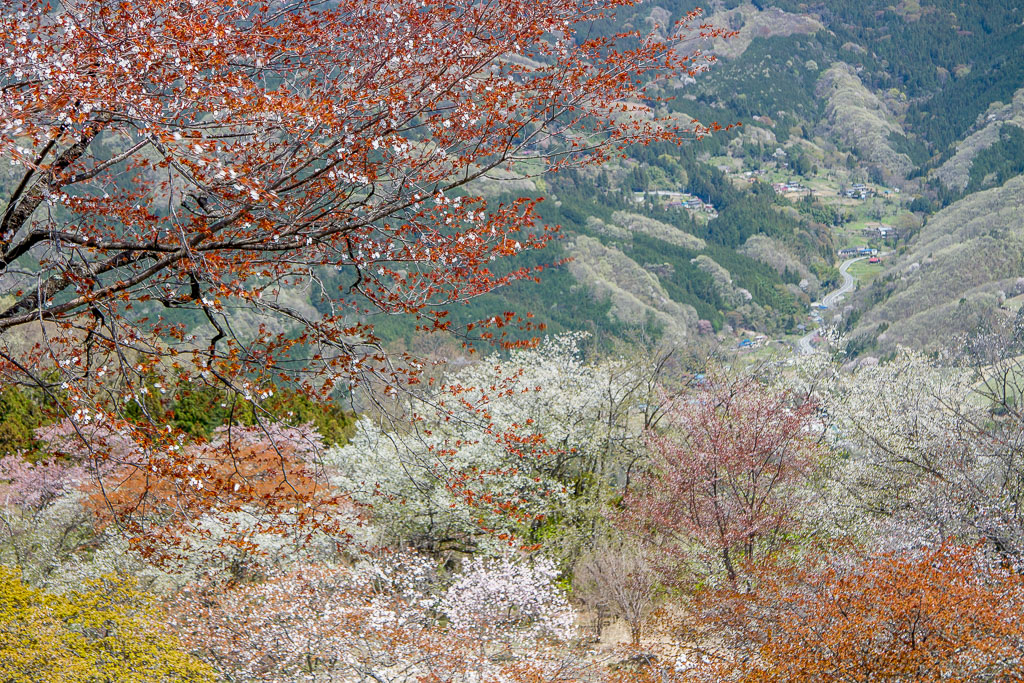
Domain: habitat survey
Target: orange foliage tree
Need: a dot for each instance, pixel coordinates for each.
(945, 613)
(940, 614)
(241, 487)
(182, 168)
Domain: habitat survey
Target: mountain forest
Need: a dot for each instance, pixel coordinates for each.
(511, 341)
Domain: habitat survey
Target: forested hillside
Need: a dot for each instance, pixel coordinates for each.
(573, 341)
(963, 269)
(919, 99)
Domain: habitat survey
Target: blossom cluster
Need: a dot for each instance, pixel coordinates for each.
(502, 595)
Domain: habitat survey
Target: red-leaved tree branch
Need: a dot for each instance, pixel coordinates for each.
(224, 191)
(209, 155)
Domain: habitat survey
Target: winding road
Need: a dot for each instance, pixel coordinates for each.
(803, 345)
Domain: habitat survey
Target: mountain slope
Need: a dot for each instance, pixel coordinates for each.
(955, 172)
(830, 95)
(964, 263)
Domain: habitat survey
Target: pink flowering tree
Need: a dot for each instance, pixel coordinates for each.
(724, 484)
(33, 486)
(42, 522)
(381, 620)
(507, 595)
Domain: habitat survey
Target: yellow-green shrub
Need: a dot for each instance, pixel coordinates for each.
(108, 631)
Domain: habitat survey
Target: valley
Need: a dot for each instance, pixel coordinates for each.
(826, 160)
(511, 342)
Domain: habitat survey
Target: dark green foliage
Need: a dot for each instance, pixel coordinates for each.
(828, 275)
(997, 74)
(562, 304)
(761, 280)
(559, 302)
(770, 79)
(801, 163)
(922, 205)
(334, 424)
(818, 212)
(995, 165)
(948, 64)
(688, 283)
(905, 51)
(952, 61)
(20, 416)
(199, 411)
(741, 212)
(912, 146)
(742, 215)
(638, 180)
(944, 196)
(153, 406)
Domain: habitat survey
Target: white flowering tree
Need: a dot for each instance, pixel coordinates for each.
(924, 457)
(387, 620)
(42, 520)
(554, 432)
(509, 599)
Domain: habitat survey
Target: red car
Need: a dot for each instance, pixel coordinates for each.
(874, 259)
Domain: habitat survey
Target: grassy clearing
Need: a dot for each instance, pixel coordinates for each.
(1013, 304)
(865, 272)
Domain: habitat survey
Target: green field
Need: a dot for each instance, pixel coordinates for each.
(865, 272)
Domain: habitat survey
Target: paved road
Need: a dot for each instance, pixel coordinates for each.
(803, 345)
(832, 299)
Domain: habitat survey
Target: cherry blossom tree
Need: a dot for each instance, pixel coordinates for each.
(34, 485)
(382, 621)
(43, 523)
(925, 459)
(508, 597)
(228, 193)
(556, 434)
(724, 486)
